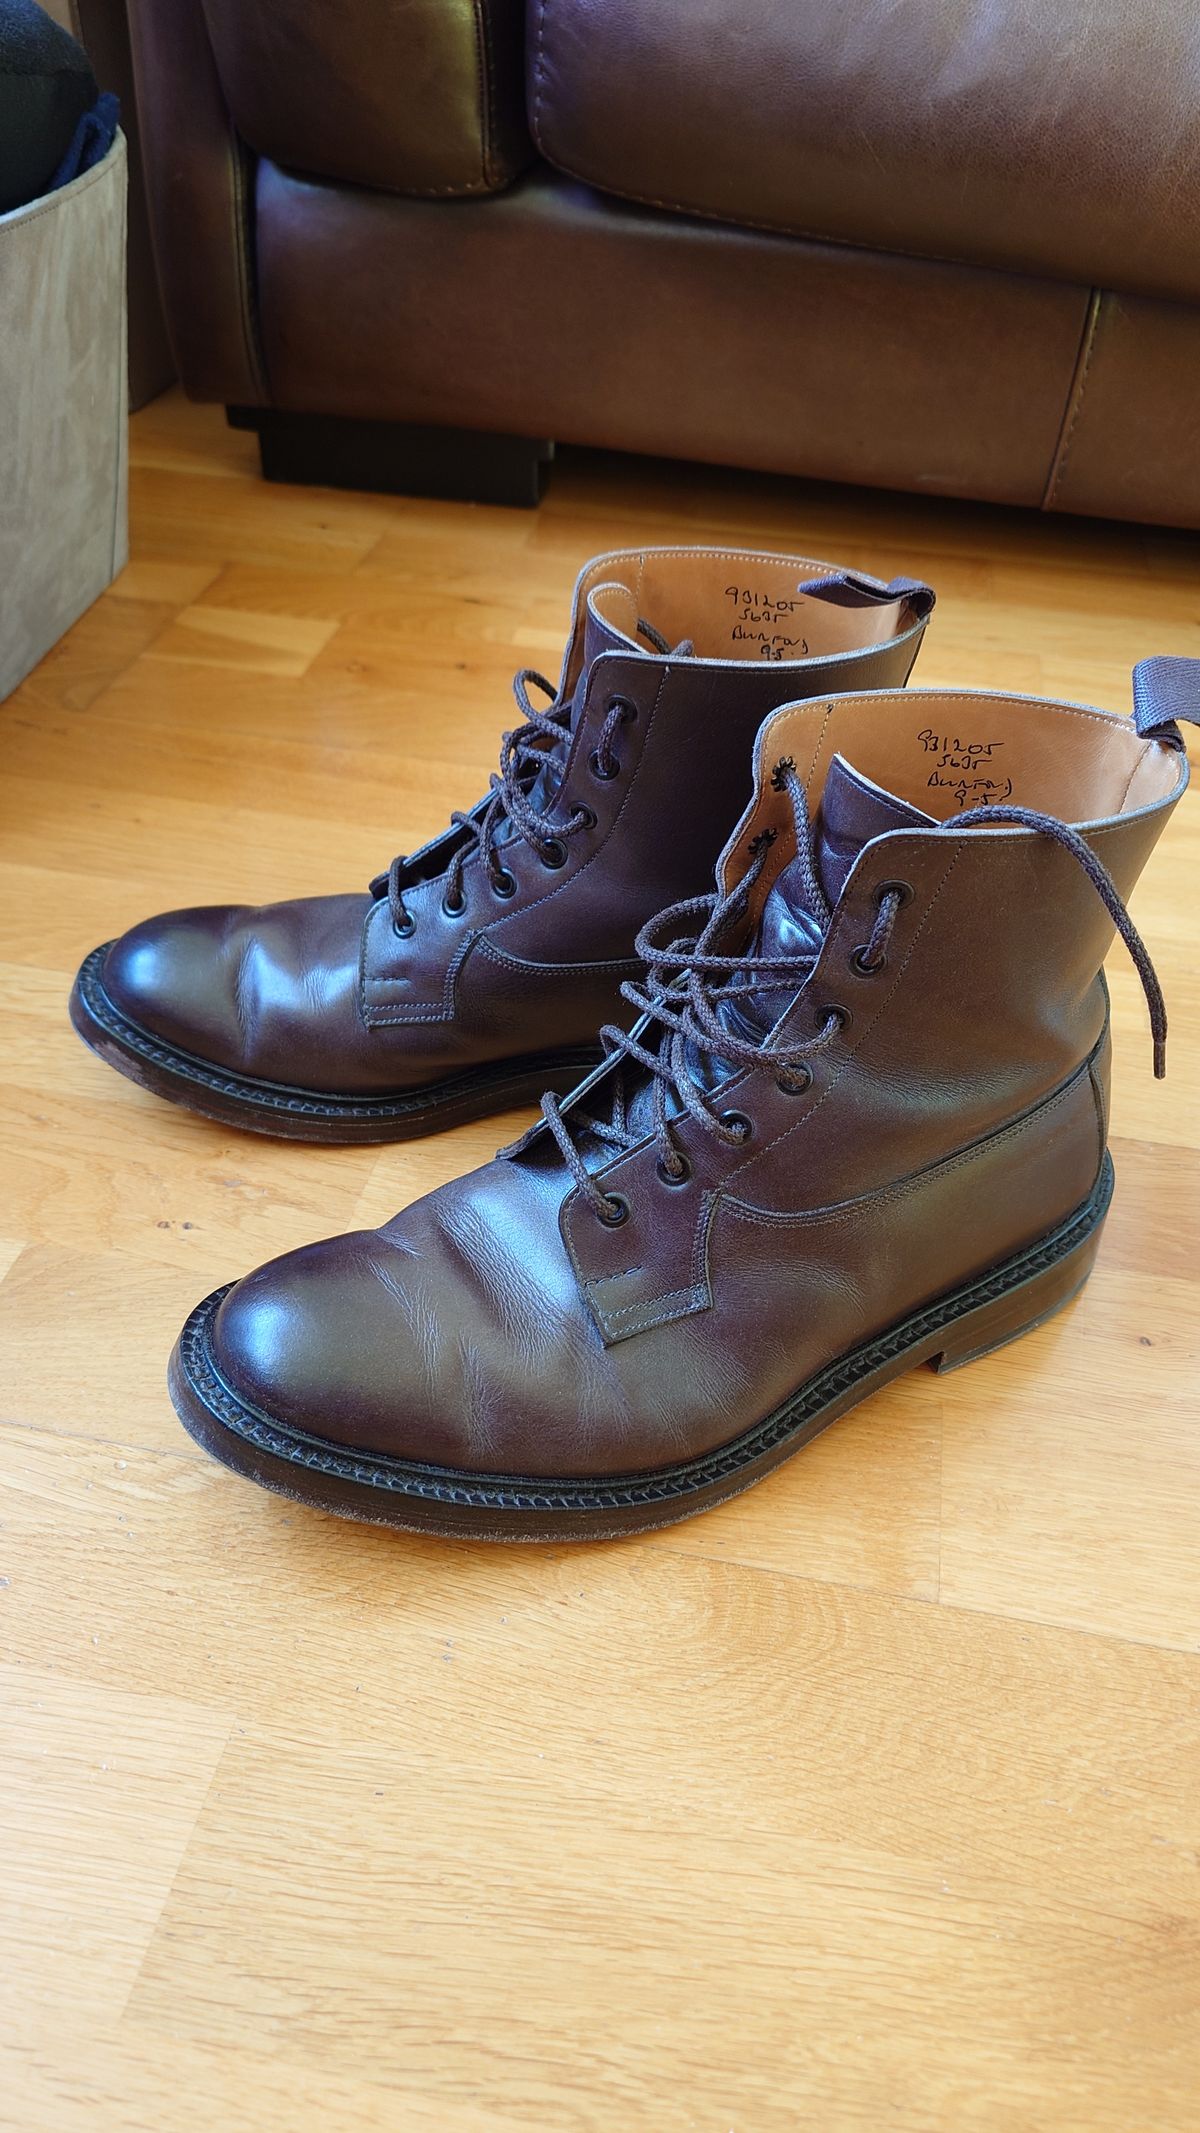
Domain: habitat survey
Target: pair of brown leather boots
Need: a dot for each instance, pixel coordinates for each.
(859, 1121)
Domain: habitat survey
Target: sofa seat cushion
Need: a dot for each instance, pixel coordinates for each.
(1061, 139)
(422, 97)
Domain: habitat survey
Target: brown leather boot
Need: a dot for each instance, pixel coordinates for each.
(860, 1126)
(476, 973)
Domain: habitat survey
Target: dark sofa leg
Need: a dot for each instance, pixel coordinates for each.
(399, 458)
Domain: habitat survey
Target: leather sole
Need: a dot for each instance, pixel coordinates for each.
(308, 1114)
(966, 1323)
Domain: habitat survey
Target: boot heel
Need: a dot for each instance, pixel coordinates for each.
(994, 1324)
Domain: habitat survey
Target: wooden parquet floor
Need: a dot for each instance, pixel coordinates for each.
(871, 1800)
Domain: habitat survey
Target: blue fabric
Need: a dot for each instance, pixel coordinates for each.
(1165, 689)
(91, 141)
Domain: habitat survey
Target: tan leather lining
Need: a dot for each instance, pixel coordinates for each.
(943, 751)
(734, 604)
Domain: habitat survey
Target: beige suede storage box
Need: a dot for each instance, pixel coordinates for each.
(63, 398)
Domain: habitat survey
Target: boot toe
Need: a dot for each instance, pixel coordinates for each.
(452, 1339)
(169, 976)
(316, 1341)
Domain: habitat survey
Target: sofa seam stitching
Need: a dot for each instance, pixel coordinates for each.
(806, 235)
(1078, 387)
(483, 88)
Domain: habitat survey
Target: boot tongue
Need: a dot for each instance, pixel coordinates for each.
(852, 812)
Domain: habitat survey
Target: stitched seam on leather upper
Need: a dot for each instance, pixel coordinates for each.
(521, 962)
(1128, 785)
(396, 1011)
(1093, 1066)
(852, 1209)
(1062, 453)
(828, 1216)
(654, 1303)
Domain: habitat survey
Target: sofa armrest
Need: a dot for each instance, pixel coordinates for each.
(424, 96)
(198, 184)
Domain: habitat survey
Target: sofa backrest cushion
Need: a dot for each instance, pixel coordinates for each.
(1054, 136)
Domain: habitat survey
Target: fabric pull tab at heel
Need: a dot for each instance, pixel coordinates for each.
(994, 1324)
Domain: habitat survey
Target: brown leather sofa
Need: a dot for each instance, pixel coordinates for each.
(941, 245)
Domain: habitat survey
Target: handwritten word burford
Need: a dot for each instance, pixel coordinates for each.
(973, 792)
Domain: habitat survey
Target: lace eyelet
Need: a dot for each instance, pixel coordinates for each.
(454, 910)
(616, 1210)
(405, 929)
(739, 1127)
(902, 889)
(673, 1177)
(866, 969)
(586, 818)
(553, 854)
(841, 1015)
(504, 884)
(796, 1082)
(598, 769)
(625, 704)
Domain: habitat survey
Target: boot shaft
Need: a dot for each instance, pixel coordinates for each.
(659, 755)
(992, 993)
(960, 1074)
